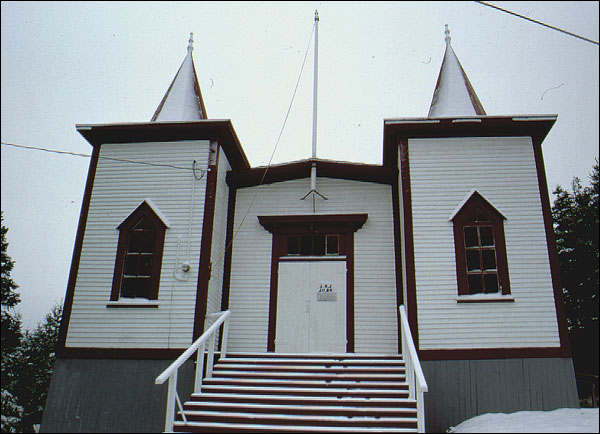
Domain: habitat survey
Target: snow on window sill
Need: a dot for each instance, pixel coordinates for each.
(133, 302)
(484, 298)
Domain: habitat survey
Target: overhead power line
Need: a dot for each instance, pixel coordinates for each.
(54, 151)
(45, 149)
(537, 22)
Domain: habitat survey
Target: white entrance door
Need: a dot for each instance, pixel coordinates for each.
(311, 307)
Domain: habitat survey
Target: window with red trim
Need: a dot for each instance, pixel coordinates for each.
(139, 255)
(480, 248)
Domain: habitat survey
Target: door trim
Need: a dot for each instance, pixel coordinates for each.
(343, 224)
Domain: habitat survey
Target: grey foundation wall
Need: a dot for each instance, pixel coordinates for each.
(462, 389)
(110, 395)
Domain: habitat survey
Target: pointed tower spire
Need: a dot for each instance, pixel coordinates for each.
(183, 99)
(454, 95)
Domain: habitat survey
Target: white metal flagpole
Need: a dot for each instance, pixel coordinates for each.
(313, 171)
(313, 168)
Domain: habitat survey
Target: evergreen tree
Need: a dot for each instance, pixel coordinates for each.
(36, 367)
(576, 227)
(10, 341)
(11, 322)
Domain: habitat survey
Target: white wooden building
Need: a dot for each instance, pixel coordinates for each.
(455, 224)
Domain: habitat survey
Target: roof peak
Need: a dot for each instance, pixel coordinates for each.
(453, 95)
(183, 99)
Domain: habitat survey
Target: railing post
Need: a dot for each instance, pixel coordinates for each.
(211, 356)
(198, 347)
(416, 379)
(420, 411)
(199, 369)
(410, 374)
(170, 418)
(224, 338)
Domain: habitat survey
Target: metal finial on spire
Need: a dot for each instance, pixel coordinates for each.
(447, 33)
(316, 15)
(190, 46)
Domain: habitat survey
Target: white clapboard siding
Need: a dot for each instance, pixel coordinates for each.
(215, 284)
(119, 187)
(442, 173)
(375, 280)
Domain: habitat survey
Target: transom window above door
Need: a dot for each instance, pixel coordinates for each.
(314, 235)
(312, 245)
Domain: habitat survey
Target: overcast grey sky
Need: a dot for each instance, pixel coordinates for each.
(67, 63)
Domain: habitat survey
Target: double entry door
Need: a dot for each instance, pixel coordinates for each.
(311, 307)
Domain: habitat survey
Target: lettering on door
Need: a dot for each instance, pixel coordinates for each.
(326, 292)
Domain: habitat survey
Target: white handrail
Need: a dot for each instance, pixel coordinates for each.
(414, 372)
(198, 346)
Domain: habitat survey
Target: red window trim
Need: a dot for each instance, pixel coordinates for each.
(144, 210)
(478, 202)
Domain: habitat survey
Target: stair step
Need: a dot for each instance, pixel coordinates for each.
(215, 427)
(310, 420)
(304, 400)
(309, 368)
(311, 376)
(315, 391)
(329, 356)
(311, 361)
(331, 410)
(306, 383)
(302, 393)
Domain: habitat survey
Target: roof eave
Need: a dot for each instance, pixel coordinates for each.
(256, 176)
(220, 130)
(395, 129)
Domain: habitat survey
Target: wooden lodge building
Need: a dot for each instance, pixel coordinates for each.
(455, 225)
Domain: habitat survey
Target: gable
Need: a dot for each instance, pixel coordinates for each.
(473, 201)
(146, 208)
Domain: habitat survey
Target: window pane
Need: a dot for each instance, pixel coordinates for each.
(332, 245)
(147, 242)
(471, 237)
(128, 287)
(473, 260)
(293, 247)
(491, 282)
(487, 236)
(475, 284)
(306, 245)
(135, 239)
(319, 245)
(145, 266)
(489, 259)
(141, 241)
(131, 266)
(133, 287)
(142, 287)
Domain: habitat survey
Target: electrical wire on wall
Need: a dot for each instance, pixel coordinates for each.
(182, 271)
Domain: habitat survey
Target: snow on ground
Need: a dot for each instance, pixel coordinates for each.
(564, 420)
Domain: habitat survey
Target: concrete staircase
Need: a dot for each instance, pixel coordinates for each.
(273, 392)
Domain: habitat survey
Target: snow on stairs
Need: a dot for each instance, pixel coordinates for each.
(274, 392)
